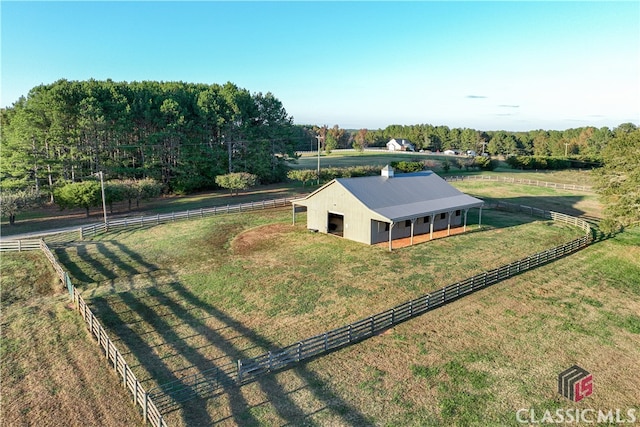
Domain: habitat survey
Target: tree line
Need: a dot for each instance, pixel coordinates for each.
(585, 142)
(182, 135)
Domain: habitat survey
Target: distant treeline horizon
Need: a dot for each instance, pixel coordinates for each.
(183, 135)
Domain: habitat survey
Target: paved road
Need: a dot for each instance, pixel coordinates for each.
(42, 233)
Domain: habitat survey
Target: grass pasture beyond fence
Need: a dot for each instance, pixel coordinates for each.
(183, 298)
(226, 313)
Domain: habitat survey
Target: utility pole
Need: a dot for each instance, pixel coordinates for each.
(104, 202)
(318, 137)
(229, 150)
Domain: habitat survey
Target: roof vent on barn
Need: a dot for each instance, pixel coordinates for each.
(387, 171)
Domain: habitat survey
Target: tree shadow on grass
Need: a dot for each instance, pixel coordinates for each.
(101, 261)
(173, 333)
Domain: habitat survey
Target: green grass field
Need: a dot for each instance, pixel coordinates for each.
(52, 373)
(50, 217)
(189, 296)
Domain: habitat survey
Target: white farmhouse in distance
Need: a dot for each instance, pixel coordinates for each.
(400, 145)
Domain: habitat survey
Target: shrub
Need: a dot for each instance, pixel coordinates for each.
(407, 167)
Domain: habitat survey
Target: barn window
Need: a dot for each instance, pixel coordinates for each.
(458, 212)
(427, 219)
(443, 215)
(382, 226)
(407, 223)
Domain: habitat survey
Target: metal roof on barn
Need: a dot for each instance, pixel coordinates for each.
(406, 196)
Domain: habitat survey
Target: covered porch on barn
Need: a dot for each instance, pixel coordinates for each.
(426, 227)
(404, 242)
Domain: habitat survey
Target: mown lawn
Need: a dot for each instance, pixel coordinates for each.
(52, 373)
(191, 296)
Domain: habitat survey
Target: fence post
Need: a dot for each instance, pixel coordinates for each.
(144, 407)
(67, 282)
(90, 320)
(239, 371)
(124, 373)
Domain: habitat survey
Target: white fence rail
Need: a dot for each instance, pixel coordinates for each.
(140, 396)
(150, 220)
(514, 180)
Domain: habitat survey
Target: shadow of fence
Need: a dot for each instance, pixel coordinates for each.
(140, 396)
(219, 378)
(209, 382)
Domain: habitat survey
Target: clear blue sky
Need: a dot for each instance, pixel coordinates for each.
(484, 65)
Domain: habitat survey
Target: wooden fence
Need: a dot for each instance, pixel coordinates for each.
(119, 224)
(19, 245)
(514, 180)
(212, 381)
(141, 398)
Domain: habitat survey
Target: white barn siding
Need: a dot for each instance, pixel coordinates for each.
(363, 208)
(335, 199)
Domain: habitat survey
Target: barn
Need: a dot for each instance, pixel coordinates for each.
(383, 208)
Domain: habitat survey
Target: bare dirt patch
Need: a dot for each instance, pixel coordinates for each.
(259, 238)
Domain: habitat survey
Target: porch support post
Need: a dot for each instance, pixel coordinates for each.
(412, 222)
(390, 231)
(465, 220)
(293, 210)
(433, 217)
(480, 218)
(449, 223)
